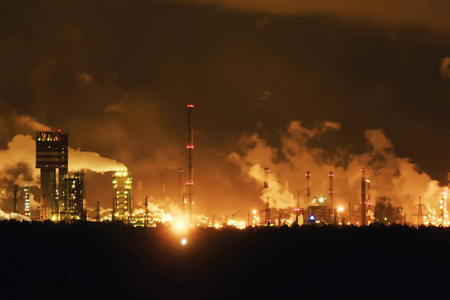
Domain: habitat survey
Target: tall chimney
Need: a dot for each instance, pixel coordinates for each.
(308, 187)
(266, 185)
(330, 197)
(331, 190)
(363, 197)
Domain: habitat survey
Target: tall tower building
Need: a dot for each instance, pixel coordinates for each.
(52, 159)
(122, 182)
(75, 195)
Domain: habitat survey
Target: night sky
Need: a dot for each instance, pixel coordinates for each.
(290, 85)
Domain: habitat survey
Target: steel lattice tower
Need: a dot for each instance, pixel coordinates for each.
(190, 162)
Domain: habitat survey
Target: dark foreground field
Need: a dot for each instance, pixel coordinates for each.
(112, 260)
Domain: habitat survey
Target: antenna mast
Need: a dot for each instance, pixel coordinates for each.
(190, 162)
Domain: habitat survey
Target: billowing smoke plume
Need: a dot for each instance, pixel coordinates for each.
(18, 161)
(18, 157)
(92, 161)
(277, 194)
(393, 177)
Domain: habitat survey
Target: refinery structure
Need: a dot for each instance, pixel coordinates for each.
(52, 160)
(62, 197)
(122, 182)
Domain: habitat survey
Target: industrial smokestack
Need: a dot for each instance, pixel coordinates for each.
(16, 191)
(330, 197)
(266, 185)
(190, 161)
(308, 187)
(331, 190)
(363, 197)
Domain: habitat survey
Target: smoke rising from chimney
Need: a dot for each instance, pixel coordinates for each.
(392, 176)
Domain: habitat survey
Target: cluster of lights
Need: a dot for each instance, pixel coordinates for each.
(27, 202)
(49, 136)
(255, 219)
(237, 224)
(121, 174)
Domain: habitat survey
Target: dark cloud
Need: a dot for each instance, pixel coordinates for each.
(117, 75)
(432, 13)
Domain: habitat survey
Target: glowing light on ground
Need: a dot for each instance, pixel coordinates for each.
(237, 224)
(183, 241)
(180, 226)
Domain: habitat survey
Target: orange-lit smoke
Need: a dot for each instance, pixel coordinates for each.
(396, 178)
(18, 160)
(18, 217)
(92, 161)
(22, 150)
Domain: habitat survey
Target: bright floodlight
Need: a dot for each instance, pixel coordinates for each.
(183, 241)
(180, 225)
